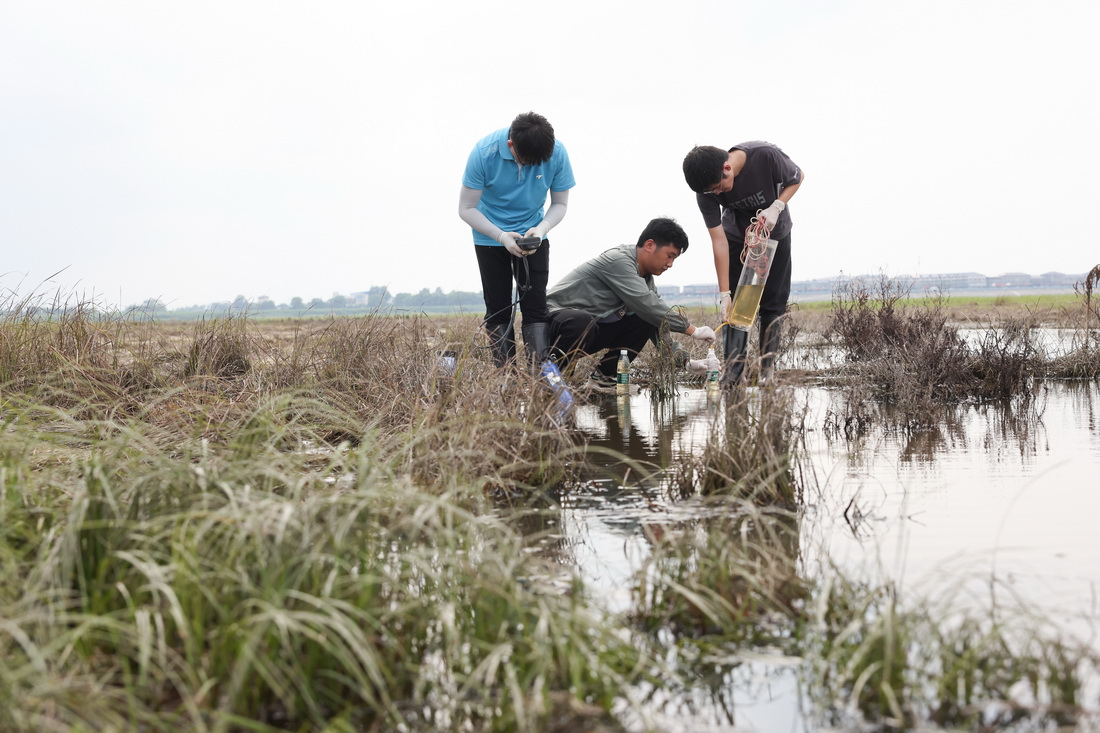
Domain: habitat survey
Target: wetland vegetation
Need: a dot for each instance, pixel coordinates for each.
(233, 525)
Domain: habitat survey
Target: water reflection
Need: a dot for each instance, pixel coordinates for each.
(988, 490)
(628, 524)
(1005, 485)
(644, 429)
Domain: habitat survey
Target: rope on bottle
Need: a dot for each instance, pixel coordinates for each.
(754, 254)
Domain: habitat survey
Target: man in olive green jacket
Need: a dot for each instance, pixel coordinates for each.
(611, 302)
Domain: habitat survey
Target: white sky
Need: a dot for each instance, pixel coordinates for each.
(194, 151)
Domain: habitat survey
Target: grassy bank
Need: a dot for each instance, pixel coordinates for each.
(235, 525)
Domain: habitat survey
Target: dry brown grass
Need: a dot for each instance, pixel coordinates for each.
(342, 379)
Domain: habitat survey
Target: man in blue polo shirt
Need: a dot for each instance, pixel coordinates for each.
(504, 189)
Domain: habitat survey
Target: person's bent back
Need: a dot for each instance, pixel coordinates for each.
(611, 302)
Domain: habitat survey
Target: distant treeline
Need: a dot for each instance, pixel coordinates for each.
(379, 298)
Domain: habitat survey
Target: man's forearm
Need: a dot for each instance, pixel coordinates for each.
(786, 194)
(720, 245)
(559, 202)
(468, 200)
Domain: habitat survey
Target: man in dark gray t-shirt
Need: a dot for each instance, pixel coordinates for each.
(731, 187)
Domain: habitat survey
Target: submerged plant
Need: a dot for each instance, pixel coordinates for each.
(1083, 361)
(873, 656)
(907, 353)
(749, 452)
(733, 577)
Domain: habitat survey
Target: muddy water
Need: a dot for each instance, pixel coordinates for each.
(1011, 492)
(989, 490)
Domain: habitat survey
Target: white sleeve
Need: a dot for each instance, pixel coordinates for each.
(468, 199)
(559, 200)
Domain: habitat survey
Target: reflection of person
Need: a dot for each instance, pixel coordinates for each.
(504, 188)
(611, 302)
(731, 186)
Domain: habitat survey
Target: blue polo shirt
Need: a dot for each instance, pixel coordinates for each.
(513, 197)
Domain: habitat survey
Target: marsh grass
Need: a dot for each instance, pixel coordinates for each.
(206, 380)
(221, 528)
(914, 357)
(248, 585)
(733, 576)
(939, 656)
(749, 453)
(220, 348)
(309, 526)
(1083, 361)
(944, 658)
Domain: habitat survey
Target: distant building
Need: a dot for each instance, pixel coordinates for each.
(708, 289)
(377, 296)
(943, 282)
(821, 285)
(1060, 279)
(1013, 280)
(668, 291)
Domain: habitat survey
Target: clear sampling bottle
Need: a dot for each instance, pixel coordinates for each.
(622, 384)
(713, 373)
(756, 261)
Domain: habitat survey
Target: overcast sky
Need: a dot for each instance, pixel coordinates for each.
(195, 151)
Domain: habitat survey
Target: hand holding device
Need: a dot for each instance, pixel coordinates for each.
(508, 239)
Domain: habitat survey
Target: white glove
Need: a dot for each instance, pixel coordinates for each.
(539, 231)
(697, 366)
(508, 239)
(771, 214)
(703, 333)
(724, 304)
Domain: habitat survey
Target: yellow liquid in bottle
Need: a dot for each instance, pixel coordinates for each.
(746, 301)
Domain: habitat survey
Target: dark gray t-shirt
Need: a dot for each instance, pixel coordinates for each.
(767, 171)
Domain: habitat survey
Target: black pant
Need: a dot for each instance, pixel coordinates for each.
(777, 289)
(498, 268)
(577, 333)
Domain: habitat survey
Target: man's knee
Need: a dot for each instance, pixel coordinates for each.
(570, 329)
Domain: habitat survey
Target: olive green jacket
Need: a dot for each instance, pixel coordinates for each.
(609, 285)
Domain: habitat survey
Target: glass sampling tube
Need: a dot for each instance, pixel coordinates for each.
(756, 260)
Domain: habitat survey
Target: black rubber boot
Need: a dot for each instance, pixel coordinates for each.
(537, 344)
(771, 333)
(734, 351)
(503, 343)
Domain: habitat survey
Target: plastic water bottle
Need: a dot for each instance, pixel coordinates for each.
(564, 398)
(713, 373)
(447, 363)
(622, 385)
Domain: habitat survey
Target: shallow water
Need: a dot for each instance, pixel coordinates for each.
(990, 491)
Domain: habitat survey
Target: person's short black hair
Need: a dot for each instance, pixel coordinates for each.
(532, 137)
(664, 231)
(703, 167)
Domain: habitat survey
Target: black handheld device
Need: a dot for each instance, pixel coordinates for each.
(529, 243)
